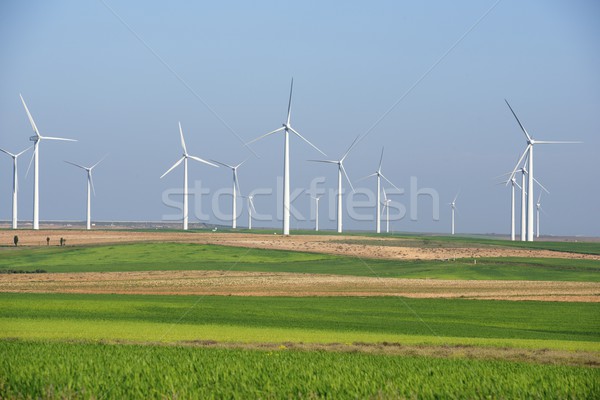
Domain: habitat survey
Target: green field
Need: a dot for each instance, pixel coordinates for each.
(75, 370)
(181, 256)
(567, 326)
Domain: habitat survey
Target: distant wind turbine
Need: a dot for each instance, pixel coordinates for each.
(234, 191)
(453, 207)
(529, 152)
(90, 185)
(15, 184)
(36, 157)
(379, 175)
(184, 159)
(316, 198)
(386, 208)
(341, 170)
(251, 208)
(286, 129)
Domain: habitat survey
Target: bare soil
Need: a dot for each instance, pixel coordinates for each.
(327, 244)
(234, 283)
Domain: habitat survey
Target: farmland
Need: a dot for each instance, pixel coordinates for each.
(228, 316)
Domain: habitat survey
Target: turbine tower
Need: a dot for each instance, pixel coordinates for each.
(184, 159)
(250, 205)
(529, 152)
(36, 167)
(341, 170)
(453, 207)
(286, 129)
(15, 185)
(235, 190)
(386, 207)
(316, 212)
(90, 185)
(379, 175)
(538, 205)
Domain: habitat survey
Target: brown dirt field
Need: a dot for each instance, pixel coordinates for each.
(327, 244)
(225, 283)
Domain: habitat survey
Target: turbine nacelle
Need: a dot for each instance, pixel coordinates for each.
(34, 138)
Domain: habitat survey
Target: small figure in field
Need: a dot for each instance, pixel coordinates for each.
(62, 241)
(16, 240)
(47, 241)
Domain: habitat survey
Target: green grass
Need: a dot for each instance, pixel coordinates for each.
(181, 256)
(76, 370)
(323, 320)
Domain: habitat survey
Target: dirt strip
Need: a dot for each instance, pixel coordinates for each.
(327, 244)
(234, 283)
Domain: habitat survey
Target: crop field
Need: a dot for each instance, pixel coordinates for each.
(75, 370)
(196, 315)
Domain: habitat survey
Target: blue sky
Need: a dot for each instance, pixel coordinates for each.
(225, 73)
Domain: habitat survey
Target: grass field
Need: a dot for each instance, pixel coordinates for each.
(567, 326)
(72, 370)
(181, 256)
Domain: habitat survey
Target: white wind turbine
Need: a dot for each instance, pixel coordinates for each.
(379, 175)
(539, 206)
(341, 170)
(386, 208)
(90, 185)
(251, 208)
(36, 157)
(184, 159)
(15, 185)
(316, 198)
(235, 190)
(453, 207)
(529, 152)
(286, 129)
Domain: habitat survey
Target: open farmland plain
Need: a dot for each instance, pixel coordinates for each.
(119, 314)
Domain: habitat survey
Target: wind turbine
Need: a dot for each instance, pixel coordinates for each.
(453, 206)
(379, 175)
(529, 152)
(539, 206)
(90, 185)
(386, 207)
(316, 212)
(341, 170)
(184, 159)
(15, 184)
(36, 158)
(235, 189)
(286, 129)
(250, 208)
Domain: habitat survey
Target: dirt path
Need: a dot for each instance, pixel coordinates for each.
(233, 283)
(328, 244)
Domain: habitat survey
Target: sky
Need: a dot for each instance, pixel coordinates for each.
(425, 80)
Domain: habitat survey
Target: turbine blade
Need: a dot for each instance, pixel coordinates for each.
(18, 154)
(324, 161)
(384, 194)
(542, 186)
(456, 197)
(9, 153)
(223, 164)
(349, 149)
(252, 205)
(380, 159)
(539, 198)
(346, 175)
(92, 182)
(173, 167)
(182, 139)
(303, 138)
(77, 165)
(390, 182)
(512, 175)
(203, 161)
(31, 121)
(102, 159)
(517, 118)
(57, 138)
(240, 164)
(556, 142)
(29, 166)
(265, 135)
(366, 177)
(289, 113)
